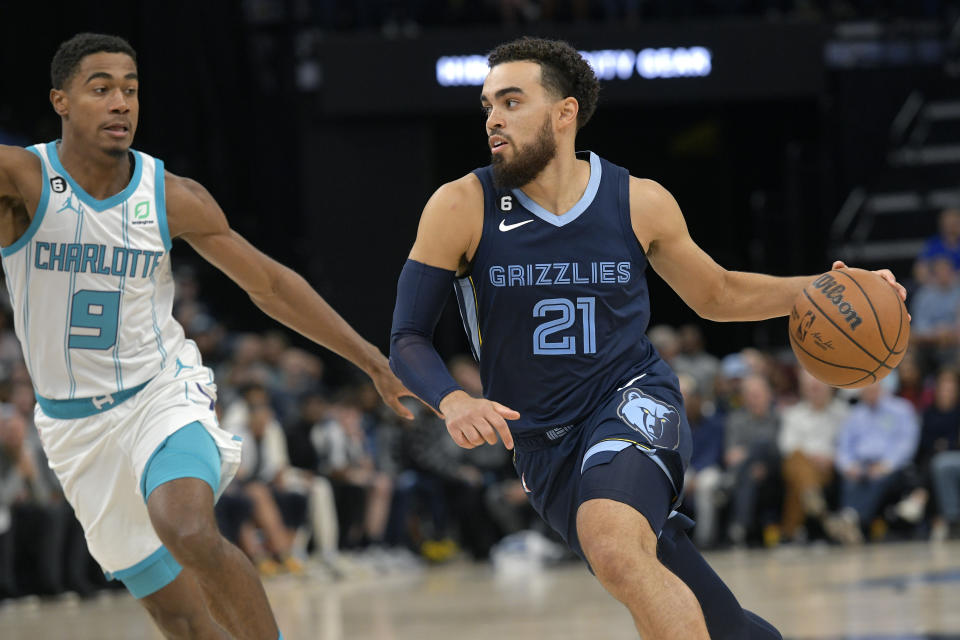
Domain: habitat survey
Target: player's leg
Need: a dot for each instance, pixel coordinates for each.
(620, 544)
(179, 611)
(669, 588)
(725, 618)
(622, 550)
(179, 483)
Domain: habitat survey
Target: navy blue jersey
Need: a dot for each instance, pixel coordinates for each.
(556, 307)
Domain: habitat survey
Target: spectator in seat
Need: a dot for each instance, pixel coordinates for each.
(935, 307)
(912, 383)
(945, 243)
(363, 493)
(939, 453)
(277, 510)
(705, 473)
(876, 443)
(694, 360)
(808, 445)
(750, 455)
(32, 527)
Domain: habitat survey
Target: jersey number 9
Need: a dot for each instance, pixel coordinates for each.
(94, 316)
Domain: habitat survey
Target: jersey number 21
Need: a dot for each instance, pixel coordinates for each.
(565, 345)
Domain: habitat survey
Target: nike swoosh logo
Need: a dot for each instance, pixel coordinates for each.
(507, 227)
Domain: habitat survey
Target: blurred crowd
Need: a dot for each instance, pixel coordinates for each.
(332, 480)
(781, 457)
(406, 17)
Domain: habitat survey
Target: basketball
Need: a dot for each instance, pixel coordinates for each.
(849, 328)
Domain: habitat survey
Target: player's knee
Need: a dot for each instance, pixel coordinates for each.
(194, 542)
(616, 562)
(620, 570)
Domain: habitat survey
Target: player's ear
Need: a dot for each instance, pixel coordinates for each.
(569, 108)
(58, 98)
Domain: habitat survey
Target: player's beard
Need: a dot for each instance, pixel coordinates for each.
(528, 162)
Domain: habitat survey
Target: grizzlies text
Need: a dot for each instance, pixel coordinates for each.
(553, 273)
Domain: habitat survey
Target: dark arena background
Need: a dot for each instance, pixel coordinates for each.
(792, 133)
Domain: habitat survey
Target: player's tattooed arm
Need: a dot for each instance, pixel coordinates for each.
(712, 291)
(194, 216)
(20, 189)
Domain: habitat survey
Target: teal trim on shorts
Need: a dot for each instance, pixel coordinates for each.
(189, 452)
(149, 575)
(86, 407)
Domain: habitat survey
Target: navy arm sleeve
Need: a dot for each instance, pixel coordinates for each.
(422, 292)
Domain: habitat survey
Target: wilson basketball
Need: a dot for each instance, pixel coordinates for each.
(849, 328)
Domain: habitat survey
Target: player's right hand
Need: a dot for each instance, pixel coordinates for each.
(472, 422)
(391, 389)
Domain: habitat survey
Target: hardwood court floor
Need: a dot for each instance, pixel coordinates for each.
(882, 592)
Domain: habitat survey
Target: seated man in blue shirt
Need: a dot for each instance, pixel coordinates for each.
(876, 442)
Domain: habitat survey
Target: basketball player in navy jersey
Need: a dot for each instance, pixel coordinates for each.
(125, 406)
(547, 249)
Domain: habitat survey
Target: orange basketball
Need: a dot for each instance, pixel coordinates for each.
(849, 328)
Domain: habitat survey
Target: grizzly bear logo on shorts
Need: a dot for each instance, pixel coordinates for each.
(655, 420)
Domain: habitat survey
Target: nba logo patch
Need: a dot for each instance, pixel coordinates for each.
(657, 421)
(58, 184)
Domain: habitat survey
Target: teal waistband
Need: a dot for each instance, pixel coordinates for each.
(86, 407)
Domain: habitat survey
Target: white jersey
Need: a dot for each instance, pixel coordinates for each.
(91, 286)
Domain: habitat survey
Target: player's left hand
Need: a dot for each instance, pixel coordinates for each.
(391, 390)
(886, 274)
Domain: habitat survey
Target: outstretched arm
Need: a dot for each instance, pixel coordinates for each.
(712, 291)
(282, 294)
(448, 235)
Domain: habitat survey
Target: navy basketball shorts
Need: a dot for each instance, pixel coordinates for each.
(633, 449)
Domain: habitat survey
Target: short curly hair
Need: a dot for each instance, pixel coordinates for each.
(66, 61)
(564, 72)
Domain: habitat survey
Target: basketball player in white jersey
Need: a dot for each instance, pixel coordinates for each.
(124, 404)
